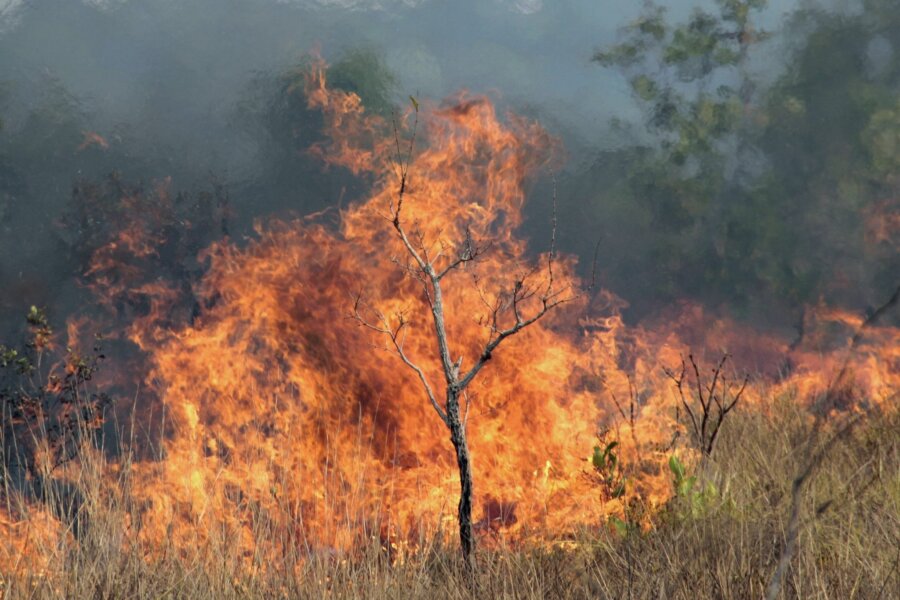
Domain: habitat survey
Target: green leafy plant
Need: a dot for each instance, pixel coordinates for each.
(608, 470)
(624, 527)
(691, 499)
(610, 476)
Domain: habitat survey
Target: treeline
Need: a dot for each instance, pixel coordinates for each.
(762, 179)
(761, 188)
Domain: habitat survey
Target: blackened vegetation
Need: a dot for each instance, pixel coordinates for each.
(125, 236)
(48, 415)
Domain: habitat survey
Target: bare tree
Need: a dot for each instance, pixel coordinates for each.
(530, 296)
(713, 400)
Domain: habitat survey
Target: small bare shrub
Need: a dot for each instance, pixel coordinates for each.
(707, 403)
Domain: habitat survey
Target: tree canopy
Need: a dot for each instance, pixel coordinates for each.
(744, 188)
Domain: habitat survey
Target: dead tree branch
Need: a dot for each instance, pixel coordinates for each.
(711, 403)
(396, 335)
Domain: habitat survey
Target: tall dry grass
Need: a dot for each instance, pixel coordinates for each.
(724, 545)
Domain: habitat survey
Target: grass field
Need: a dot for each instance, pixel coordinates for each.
(721, 538)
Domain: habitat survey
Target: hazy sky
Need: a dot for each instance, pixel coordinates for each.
(168, 76)
(124, 55)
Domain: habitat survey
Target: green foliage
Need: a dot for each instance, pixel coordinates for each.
(40, 327)
(831, 174)
(624, 527)
(680, 183)
(276, 110)
(683, 484)
(10, 357)
(363, 72)
(881, 138)
(698, 40)
(607, 467)
(648, 29)
(609, 475)
(691, 500)
(751, 192)
(645, 88)
(40, 334)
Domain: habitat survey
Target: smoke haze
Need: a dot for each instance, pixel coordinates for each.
(173, 90)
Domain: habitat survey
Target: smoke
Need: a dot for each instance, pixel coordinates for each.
(175, 92)
(9, 14)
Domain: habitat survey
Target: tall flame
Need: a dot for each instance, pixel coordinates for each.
(280, 401)
(284, 414)
(287, 422)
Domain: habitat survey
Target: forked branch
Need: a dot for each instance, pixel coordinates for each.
(711, 402)
(397, 334)
(527, 301)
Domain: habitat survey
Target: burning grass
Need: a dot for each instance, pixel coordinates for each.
(294, 457)
(726, 545)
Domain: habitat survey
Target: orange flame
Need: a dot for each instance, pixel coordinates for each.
(287, 422)
(283, 411)
(92, 138)
(277, 398)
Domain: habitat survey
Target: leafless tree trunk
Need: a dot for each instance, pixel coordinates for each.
(430, 268)
(461, 445)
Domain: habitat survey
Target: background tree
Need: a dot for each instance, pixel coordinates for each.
(757, 189)
(829, 132)
(693, 85)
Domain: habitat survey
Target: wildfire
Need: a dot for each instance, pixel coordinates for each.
(279, 401)
(287, 422)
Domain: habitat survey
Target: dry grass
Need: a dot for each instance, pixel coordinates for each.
(727, 546)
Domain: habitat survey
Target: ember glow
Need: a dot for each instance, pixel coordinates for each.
(289, 426)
